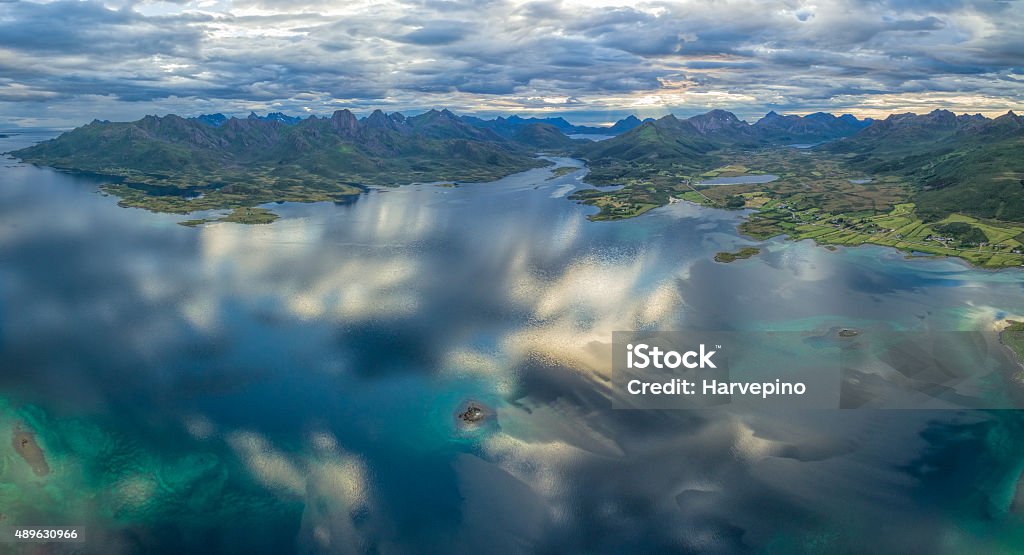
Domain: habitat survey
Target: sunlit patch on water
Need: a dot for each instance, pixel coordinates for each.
(305, 374)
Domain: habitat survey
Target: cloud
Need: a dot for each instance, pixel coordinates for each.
(72, 61)
(437, 33)
(87, 28)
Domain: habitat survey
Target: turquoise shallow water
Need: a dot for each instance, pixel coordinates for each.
(293, 386)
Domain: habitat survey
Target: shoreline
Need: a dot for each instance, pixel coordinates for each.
(910, 253)
(131, 193)
(25, 444)
(140, 199)
(1018, 357)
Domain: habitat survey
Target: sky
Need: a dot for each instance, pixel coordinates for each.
(63, 63)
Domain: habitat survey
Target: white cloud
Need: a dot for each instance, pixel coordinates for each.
(68, 62)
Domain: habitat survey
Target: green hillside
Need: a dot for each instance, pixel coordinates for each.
(543, 136)
(667, 145)
(172, 164)
(958, 164)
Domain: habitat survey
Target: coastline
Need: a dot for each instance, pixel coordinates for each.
(25, 444)
(1017, 353)
(248, 211)
(245, 201)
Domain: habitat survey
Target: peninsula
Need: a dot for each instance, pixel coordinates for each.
(178, 165)
(745, 252)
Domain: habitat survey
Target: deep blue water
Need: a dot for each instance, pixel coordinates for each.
(293, 386)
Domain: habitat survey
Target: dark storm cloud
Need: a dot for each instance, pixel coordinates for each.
(443, 32)
(505, 55)
(79, 28)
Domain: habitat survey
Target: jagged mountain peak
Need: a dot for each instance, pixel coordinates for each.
(722, 124)
(719, 115)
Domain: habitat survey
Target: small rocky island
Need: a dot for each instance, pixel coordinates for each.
(848, 332)
(560, 171)
(24, 442)
(745, 252)
(251, 216)
(472, 413)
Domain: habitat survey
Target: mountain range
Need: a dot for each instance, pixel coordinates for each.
(772, 127)
(811, 128)
(190, 164)
(508, 127)
(966, 163)
(368, 150)
(958, 163)
(689, 144)
(719, 128)
(543, 133)
(218, 119)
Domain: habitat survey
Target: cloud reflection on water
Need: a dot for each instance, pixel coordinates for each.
(358, 328)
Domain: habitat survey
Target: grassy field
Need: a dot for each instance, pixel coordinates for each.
(560, 171)
(805, 179)
(745, 252)
(899, 228)
(249, 216)
(1013, 337)
(253, 190)
(816, 197)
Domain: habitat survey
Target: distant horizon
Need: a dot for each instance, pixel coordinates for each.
(567, 116)
(590, 62)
